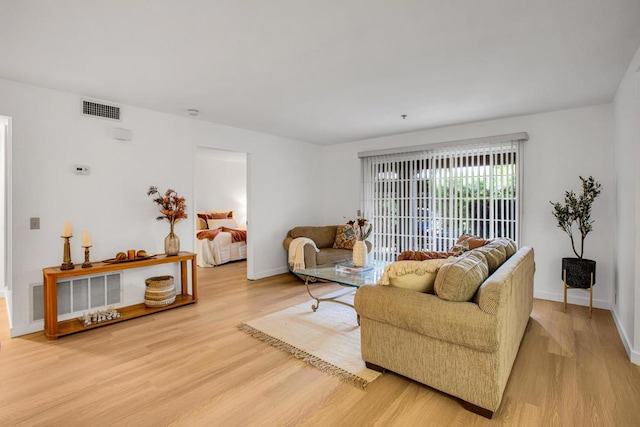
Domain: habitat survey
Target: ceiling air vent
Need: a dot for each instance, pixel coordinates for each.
(101, 110)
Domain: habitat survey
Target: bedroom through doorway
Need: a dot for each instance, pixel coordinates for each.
(221, 204)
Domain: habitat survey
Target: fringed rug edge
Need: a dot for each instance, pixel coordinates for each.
(306, 357)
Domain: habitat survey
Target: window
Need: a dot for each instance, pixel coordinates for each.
(424, 198)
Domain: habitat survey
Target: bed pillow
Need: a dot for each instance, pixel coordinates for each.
(203, 217)
(221, 214)
(227, 222)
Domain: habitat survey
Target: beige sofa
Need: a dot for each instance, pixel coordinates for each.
(465, 349)
(324, 238)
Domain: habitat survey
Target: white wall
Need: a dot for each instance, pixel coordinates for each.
(49, 135)
(221, 182)
(4, 129)
(627, 178)
(562, 146)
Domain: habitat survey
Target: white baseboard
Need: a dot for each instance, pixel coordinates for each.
(574, 296)
(621, 332)
(2, 294)
(634, 356)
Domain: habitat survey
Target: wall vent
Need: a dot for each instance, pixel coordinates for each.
(79, 294)
(101, 110)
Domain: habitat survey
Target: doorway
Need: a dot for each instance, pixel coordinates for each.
(5, 222)
(221, 185)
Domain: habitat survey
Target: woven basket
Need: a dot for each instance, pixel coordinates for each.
(159, 291)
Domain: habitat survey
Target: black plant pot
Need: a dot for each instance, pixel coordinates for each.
(579, 272)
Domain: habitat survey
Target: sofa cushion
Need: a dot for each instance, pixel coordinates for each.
(508, 244)
(459, 279)
(327, 255)
(417, 276)
(345, 237)
(494, 254)
(323, 236)
(461, 323)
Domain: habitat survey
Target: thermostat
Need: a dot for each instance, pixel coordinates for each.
(81, 169)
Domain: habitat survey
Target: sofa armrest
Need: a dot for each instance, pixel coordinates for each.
(287, 242)
(461, 323)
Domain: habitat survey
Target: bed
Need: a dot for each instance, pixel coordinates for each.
(219, 239)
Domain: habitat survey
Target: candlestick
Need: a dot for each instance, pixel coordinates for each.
(86, 263)
(66, 258)
(67, 229)
(86, 239)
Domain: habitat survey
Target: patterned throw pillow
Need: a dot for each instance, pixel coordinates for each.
(345, 237)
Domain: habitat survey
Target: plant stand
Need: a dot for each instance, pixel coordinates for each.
(590, 290)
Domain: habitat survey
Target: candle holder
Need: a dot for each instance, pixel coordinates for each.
(86, 263)
(66, 259)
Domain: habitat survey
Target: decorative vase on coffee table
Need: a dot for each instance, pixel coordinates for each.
(172, 243)
(359, 254)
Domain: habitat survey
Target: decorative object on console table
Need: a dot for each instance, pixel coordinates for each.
(173, 209)
(159, 292)
(66, 256)
(362, 228)
(576, 210)
(86, 244)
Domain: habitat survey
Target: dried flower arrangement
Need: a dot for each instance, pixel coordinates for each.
(362, 227)
(172, 206)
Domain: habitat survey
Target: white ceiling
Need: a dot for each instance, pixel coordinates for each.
(326, 71)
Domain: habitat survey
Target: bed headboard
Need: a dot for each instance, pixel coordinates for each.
(204, 217)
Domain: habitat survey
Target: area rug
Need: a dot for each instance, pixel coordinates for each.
(328, 338)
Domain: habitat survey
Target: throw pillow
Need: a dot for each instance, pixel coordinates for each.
(473, 241)
(221, 215)
(204, 217)
(459, 280)
(417, 276)
(423, 255)
(345, 237)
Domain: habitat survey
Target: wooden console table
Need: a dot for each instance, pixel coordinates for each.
(54, 329)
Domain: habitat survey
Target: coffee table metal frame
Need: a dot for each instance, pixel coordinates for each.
(331, 273)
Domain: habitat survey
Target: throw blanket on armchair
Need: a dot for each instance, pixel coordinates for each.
(296, 252)
(237, 235)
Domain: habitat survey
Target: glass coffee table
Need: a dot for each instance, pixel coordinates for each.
(345, 274)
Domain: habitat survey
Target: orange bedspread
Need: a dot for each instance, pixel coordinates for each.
(237, 235)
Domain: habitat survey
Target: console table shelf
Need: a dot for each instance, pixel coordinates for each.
(54, 329)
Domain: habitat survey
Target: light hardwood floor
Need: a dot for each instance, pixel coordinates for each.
(192, 367)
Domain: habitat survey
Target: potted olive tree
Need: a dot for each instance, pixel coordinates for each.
(576, 213)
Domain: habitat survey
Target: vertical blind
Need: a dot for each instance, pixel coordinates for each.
(424, 200)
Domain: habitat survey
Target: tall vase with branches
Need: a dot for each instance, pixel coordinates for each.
(172, 209)
(576, 211)
(575, 214)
